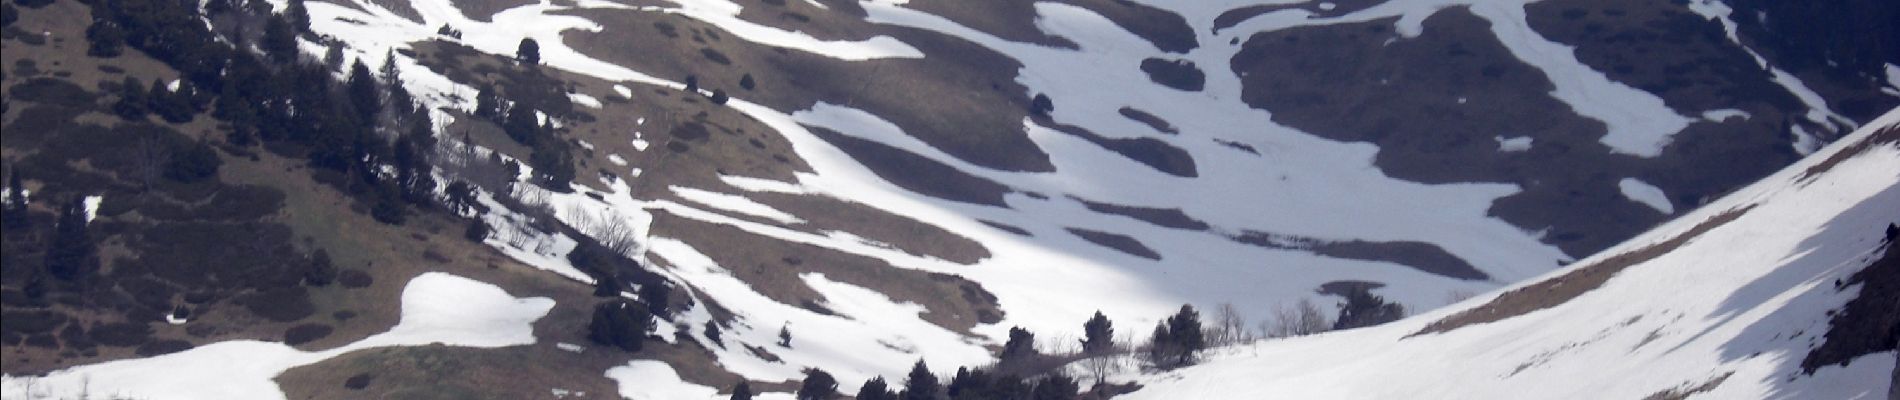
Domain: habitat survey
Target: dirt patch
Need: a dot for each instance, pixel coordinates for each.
(1006, 19)
(910, 235)
(1888, 135)
(1418, 255)
(1119, 242)
(917, 173)
(1166, 30)
(960, 98)
(1160, 125)
(772, 267)
(1151, 152)
(1558, 290)
(1178, 74)
(1165, 217)
(1682, 393)
(1439, 123)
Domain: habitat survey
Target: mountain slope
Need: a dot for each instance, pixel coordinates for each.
(1739, 294)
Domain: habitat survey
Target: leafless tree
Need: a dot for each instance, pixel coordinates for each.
(149, 156)
(612, 232)
(1301, 319)
(1228, 326)
(1106, 363)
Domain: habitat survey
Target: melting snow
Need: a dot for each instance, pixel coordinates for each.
(1520, 143)
(1724, 114)
(436, 308)
(738, 204)
(1647, 194)
(615, 158)
(584, 100)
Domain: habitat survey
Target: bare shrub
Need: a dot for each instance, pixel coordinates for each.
(1301, 319)
(612, 233)
(1228, 326)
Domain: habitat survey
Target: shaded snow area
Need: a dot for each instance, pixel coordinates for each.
(1745, 300)
(1647, 194)
(436, 308)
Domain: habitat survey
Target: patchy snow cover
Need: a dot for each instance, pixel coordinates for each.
(654, 380)
(617, 160)
(1053, 281)
(436, 308)
(1724, 114)
(1818, 111)
(1747, 298)
(570, 347)
(623, 91)
(725, 14)
(733, 203)
(584, 100)
(1520, 143)
(1647, 194)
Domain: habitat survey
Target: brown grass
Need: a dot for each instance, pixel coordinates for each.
(1558, 290)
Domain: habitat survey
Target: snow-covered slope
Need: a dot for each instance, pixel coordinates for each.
(1729, 313)
(1263, 200)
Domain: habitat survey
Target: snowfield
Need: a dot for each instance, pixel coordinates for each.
(436, 308)
(1739, 305)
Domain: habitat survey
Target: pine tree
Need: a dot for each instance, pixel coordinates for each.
(1056, 387)
(742, 391)
(745, 82)
(297, 16)
(107, 39)
(785, 336)
(1020, 347)
(529, 52)
(875, 389)
(320, 272)
(1185, 329)
(818, 385)
(364, 94)
(713, 332)
(655, 296)
(621, 324)
(487, 103)
(1099, 335)
(921, 384)
(70, 256)
(719, 97)
(1041, 105)
(280, 40)
(1363, 309)
(132, 103)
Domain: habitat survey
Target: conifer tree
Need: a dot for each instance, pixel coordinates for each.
(875, 389)
(364, 94)
(132, 103)
(529, 52)
(921, 384)
(742, 391)
(1099, 335)
(819, 385)
(70, 256)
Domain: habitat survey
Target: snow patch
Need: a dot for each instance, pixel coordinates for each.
(734, 203)
(624, 91)
(92, 207)
(615, 158)
(1516, 144)
(654, 380)
(584, 100)
(1647, 194)
(1724, 114)
(436, 308)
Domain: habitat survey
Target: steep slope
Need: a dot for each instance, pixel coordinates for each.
(1724, 303)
